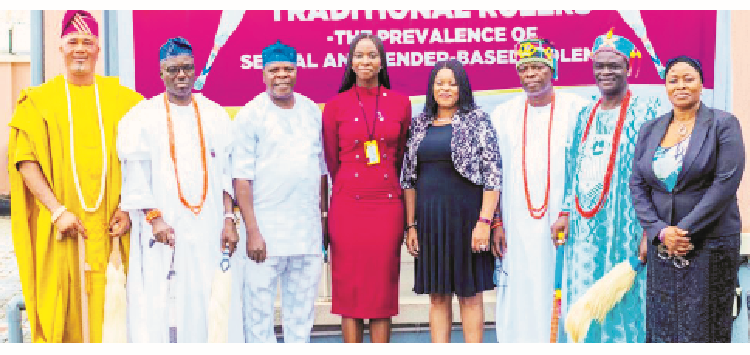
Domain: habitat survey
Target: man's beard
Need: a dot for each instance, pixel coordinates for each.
(78, 68)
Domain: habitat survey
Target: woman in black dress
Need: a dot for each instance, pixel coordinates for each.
(451, 179)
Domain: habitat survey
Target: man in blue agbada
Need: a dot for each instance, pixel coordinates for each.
(597, 217)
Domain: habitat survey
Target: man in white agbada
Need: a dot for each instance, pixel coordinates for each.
(280, 175)
(175, 150)
(532, 132)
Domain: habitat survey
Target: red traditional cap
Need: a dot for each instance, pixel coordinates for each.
(79, 21)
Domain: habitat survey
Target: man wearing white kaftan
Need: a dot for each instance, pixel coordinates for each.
(526, 269)
(160, 142)
(279, 173)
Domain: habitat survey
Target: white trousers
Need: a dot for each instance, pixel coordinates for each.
(300, 275)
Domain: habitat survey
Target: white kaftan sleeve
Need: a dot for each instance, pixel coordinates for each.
(134, 151)
(227, 138)
(246, 142)
(323, 166)
(147, 266)
(322, 158)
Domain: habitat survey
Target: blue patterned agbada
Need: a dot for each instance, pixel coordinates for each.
(613, 235)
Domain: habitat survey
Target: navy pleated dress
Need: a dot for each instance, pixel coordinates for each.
(447, 210)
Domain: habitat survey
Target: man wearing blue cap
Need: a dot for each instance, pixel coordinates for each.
(597, 217)
(174, 150)
(281, 185)
(532, 131)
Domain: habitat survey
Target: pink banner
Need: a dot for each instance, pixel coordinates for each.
(414, 40)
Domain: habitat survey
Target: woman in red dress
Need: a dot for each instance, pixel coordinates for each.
(364, 136)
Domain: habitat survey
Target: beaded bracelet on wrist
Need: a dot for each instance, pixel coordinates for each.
(57, 213)
(152, 215)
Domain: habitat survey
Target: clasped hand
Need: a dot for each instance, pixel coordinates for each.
(677, 241)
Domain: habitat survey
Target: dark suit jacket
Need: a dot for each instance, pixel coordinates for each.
(704, 200)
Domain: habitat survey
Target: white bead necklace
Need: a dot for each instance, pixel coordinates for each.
(73, 155)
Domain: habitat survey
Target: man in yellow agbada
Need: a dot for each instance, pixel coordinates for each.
(65, 177)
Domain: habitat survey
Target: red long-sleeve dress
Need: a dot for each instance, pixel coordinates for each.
(366, 216)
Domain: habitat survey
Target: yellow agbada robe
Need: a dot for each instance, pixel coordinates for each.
(49, 268)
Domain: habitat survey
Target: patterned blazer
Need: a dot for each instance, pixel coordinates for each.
(474, 149)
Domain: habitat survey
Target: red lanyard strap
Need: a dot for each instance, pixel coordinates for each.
(362, 107)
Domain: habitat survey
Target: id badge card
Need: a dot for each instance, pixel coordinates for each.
(371, 152)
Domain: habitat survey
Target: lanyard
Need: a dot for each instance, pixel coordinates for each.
(377, 113)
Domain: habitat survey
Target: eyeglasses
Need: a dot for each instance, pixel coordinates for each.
(678, 261)
(187, 68)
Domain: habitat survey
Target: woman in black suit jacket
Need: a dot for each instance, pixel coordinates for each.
(687, 167)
